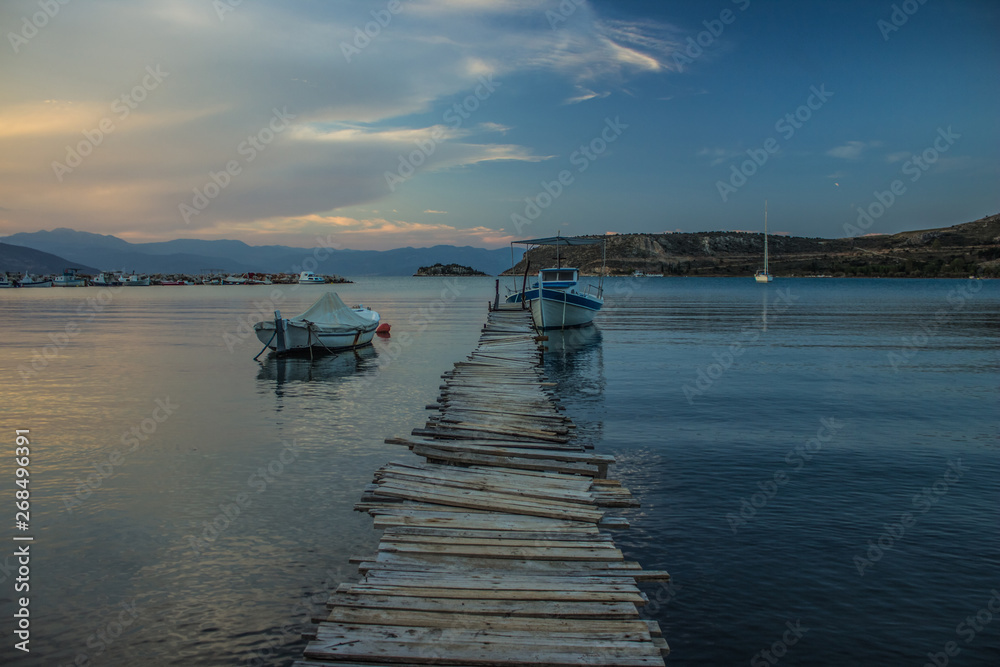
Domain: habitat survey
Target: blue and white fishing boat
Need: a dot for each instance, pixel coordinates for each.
(557, 298)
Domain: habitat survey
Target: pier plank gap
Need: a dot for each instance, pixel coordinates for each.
(494, 550)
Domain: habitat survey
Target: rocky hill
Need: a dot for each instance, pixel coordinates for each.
(972, 248)
(17, 260)
(448, 270)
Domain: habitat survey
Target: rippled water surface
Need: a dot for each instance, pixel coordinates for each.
(770, 477)
(192, 506)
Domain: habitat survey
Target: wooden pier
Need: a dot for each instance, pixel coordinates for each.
(493, 551)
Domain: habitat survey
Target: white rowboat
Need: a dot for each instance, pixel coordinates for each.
(328, 325)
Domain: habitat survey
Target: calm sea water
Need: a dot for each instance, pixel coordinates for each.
(192, 506)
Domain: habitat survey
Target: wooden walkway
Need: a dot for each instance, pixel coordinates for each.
(492, 552)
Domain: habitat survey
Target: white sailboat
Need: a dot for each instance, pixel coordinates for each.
(762, 276)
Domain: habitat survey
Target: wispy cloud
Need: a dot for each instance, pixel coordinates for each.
(717, 156)
(372, 233)
(852, 150)
(352, 120)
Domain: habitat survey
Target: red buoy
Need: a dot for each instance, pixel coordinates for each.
(383, 328)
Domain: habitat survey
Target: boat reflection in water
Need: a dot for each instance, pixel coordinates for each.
(324, 368)
(574, 359)
(571, 341)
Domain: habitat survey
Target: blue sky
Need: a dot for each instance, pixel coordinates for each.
(454, 121)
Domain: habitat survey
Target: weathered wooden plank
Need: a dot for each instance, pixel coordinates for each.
(439, 518)
(484, 622)
(489, 501)
(499, 442)
(450, 646)
(441, 431)
(629, 640)
(497, 449)
(569, 488)
(500, 551)
(544, 584)
(452, 565)
(519, 608)
(515, 462)
(590, 533)
(493, 474)
(632, 597)
(502, 541)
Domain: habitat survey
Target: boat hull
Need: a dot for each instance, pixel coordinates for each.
(300, 337)
(556, 309)
(763, 277)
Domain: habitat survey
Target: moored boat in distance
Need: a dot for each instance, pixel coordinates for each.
(134, 280)
(762, 276)
(310, 278)
(33, 281)
(258, 279)
(557, 299)
(106, 279)
(5, 282)
(69, 279)
(327, 325)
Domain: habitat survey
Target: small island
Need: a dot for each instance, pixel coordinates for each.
(448, 270)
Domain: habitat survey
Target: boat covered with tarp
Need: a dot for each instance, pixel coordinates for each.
(327, 325)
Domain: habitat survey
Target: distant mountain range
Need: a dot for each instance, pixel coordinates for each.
(972, 248)
(192, 256)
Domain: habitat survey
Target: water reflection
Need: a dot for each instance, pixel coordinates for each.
(763, 316)
(574, 358)
(563, 342)
(328, 367)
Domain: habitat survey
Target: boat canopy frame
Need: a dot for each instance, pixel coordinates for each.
(558, 241)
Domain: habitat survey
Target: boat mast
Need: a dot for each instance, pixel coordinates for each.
(765, 236)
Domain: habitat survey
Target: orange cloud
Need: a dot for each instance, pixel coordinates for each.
(353, 233)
